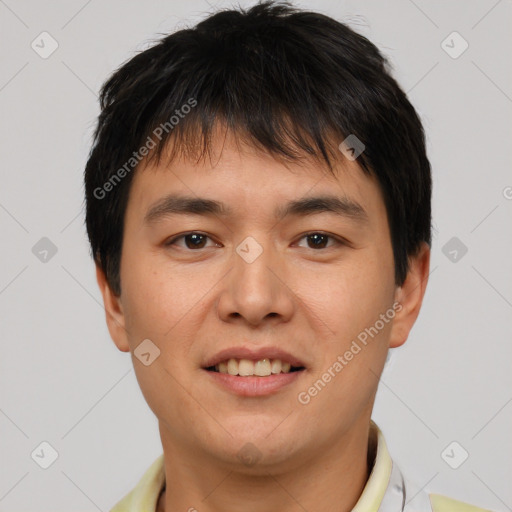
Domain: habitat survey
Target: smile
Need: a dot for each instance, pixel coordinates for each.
(248, 368)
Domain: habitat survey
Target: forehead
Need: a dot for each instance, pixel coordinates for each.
(244, 179)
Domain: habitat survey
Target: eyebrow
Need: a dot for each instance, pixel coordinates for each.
(187, 205)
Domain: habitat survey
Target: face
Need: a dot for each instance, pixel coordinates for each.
(274, 274)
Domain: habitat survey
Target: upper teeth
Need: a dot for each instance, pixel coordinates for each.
(246, 367)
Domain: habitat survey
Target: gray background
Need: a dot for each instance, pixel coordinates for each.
(61, 378)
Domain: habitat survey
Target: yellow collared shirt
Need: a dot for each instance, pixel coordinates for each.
(386, 489)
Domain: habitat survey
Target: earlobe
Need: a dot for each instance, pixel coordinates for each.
(113, 311)
(410, 296)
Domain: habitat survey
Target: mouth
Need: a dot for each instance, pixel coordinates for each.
(246, 372)
(264, 367)
(254, 375)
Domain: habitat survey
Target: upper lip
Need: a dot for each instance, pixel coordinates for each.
(255, 355)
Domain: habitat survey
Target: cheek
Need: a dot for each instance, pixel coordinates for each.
(162, 298)
(152, 298)
(347, 298)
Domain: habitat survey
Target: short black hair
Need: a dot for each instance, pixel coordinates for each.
(291, 82)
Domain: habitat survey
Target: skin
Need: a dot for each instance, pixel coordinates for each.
(309, 301)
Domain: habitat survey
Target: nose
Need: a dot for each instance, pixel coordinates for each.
(256, 291)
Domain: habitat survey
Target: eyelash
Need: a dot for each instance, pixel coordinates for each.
(337, 240)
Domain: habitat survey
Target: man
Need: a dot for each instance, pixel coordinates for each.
(258, 205)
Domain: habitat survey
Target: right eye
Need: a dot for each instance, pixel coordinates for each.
(193, 240)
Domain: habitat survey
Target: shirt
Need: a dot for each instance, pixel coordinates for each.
(386, 489)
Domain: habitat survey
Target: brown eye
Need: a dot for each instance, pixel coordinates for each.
(318, 240)
(192, 240)
(195, 241)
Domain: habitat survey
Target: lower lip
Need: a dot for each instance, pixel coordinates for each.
(254, 386)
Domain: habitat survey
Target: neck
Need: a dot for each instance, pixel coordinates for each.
(333, 479)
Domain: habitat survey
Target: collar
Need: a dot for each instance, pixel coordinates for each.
(385, 490)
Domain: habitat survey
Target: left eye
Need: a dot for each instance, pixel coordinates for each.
(319, 240)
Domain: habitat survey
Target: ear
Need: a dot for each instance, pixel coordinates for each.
(114, 312)
(410, 296)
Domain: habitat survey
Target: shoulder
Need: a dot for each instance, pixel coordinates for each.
(442, 503)
(144, 497)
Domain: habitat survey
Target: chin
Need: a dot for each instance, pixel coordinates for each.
(264, 448)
